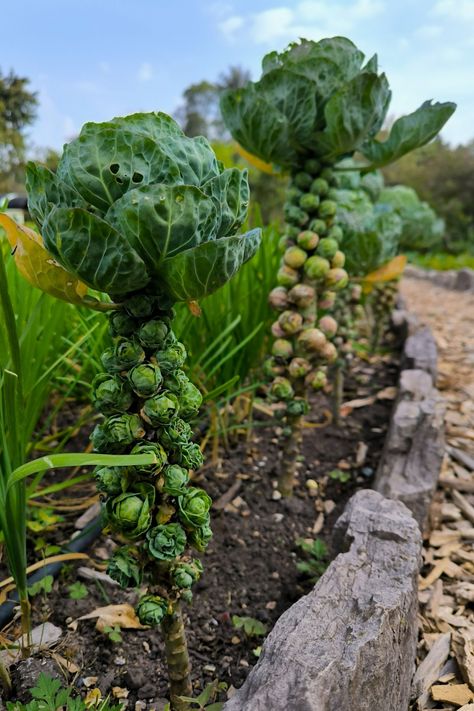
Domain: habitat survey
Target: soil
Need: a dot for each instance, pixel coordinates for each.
(250, 565)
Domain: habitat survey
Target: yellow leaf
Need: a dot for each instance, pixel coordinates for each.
(112, 615)
(38, 267)
(194, 308)
(256, 162)
(92, 698)
(387, 272)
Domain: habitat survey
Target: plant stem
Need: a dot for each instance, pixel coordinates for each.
(177, 659)
(5, 679)
(25, 608)
(291, 449)
(338, 392)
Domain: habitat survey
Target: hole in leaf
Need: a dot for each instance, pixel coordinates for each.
(137, 178)
(119, 180)
(114, 168)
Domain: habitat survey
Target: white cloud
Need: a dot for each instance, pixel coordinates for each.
(145, 72)
(230, 26)
(462, 10)
(309, 18)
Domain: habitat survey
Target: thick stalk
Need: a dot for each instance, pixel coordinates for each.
(25, 608)
(338, 392)
(177, 659)
(291, 450)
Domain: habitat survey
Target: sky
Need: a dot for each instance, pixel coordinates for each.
(90, 60)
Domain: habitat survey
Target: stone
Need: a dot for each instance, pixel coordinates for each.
(464, 280)
(420, 352)
(350, 643)
(430, 669)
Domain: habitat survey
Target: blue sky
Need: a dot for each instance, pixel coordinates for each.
(94, 59)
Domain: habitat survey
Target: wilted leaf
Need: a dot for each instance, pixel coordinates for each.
(256, 162)
(110, 616)
(388, 272)
(38, 267)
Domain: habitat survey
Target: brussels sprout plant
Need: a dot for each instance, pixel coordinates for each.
(142, 212)
(315, 104)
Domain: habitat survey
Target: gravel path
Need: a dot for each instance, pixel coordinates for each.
(445, 675)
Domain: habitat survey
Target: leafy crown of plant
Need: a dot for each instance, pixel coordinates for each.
(136, 204)
(319, 100)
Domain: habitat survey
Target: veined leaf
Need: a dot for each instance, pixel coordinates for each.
(45, 190)
(162, 220)
(407, 133)
(201, 270)
(94, 251)
(37, 265)
(230, 194)
(354, 112)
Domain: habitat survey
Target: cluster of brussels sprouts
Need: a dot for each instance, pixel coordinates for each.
(148, 400)
(348, 312)
(382, 302)
(310, 275)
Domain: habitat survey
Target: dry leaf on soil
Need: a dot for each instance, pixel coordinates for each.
(110, 616)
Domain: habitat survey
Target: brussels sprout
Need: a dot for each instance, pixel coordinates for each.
(171, 357)
(160, 409)
(312, 340)
(109, 480)
(117, 432)
(356, 292)
(281, 389)
(190, 400)
(327, 174)
(166, 542)
(337, 279)
(152, 334)
(184, 575)
(124, 568)
(327, 208)
(299, 367)
(297, 407)
(327, 300)
(277, 331)
(291, 322)
(271, 367)
(302, 295)
(317, 379)
(110, 394)
(303, 180)
(327, 248)
(145, 379)
(190, 456)
(121, 324)
(141, 305)
(319, 187)
(336, 232)
(295, 257)
(312, 166)
(309, 202)
(200, 537)
(293, 195)
(308, 240)
(193, 507)
(175, 479)
(176, 381)
(150, 448)
(338, 260)
(295, 215)
(282, 348)
(292, 231)
(284, 242)
(316, 267)
(151, 610)
(318, 226)
(123, 356)
(286, 276)
(130, 512)
(278, 298)
(176, 433)
(328, 326)
(329, 352)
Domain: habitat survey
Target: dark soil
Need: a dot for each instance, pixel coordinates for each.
(250, 565)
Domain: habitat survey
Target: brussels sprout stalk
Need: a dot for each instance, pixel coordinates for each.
(142, 212)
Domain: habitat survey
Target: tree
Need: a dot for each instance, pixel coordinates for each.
(199, 115)
(17, 112)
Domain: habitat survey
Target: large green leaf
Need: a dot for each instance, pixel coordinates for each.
(408, 132)
(103, 163)
(94, 251)
(155, 124)
(45, 189)
(274, 118)
(230, 193)
(199, 271)
(162, 220)
(352, 113)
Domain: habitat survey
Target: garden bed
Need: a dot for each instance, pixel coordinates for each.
(251, 563)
